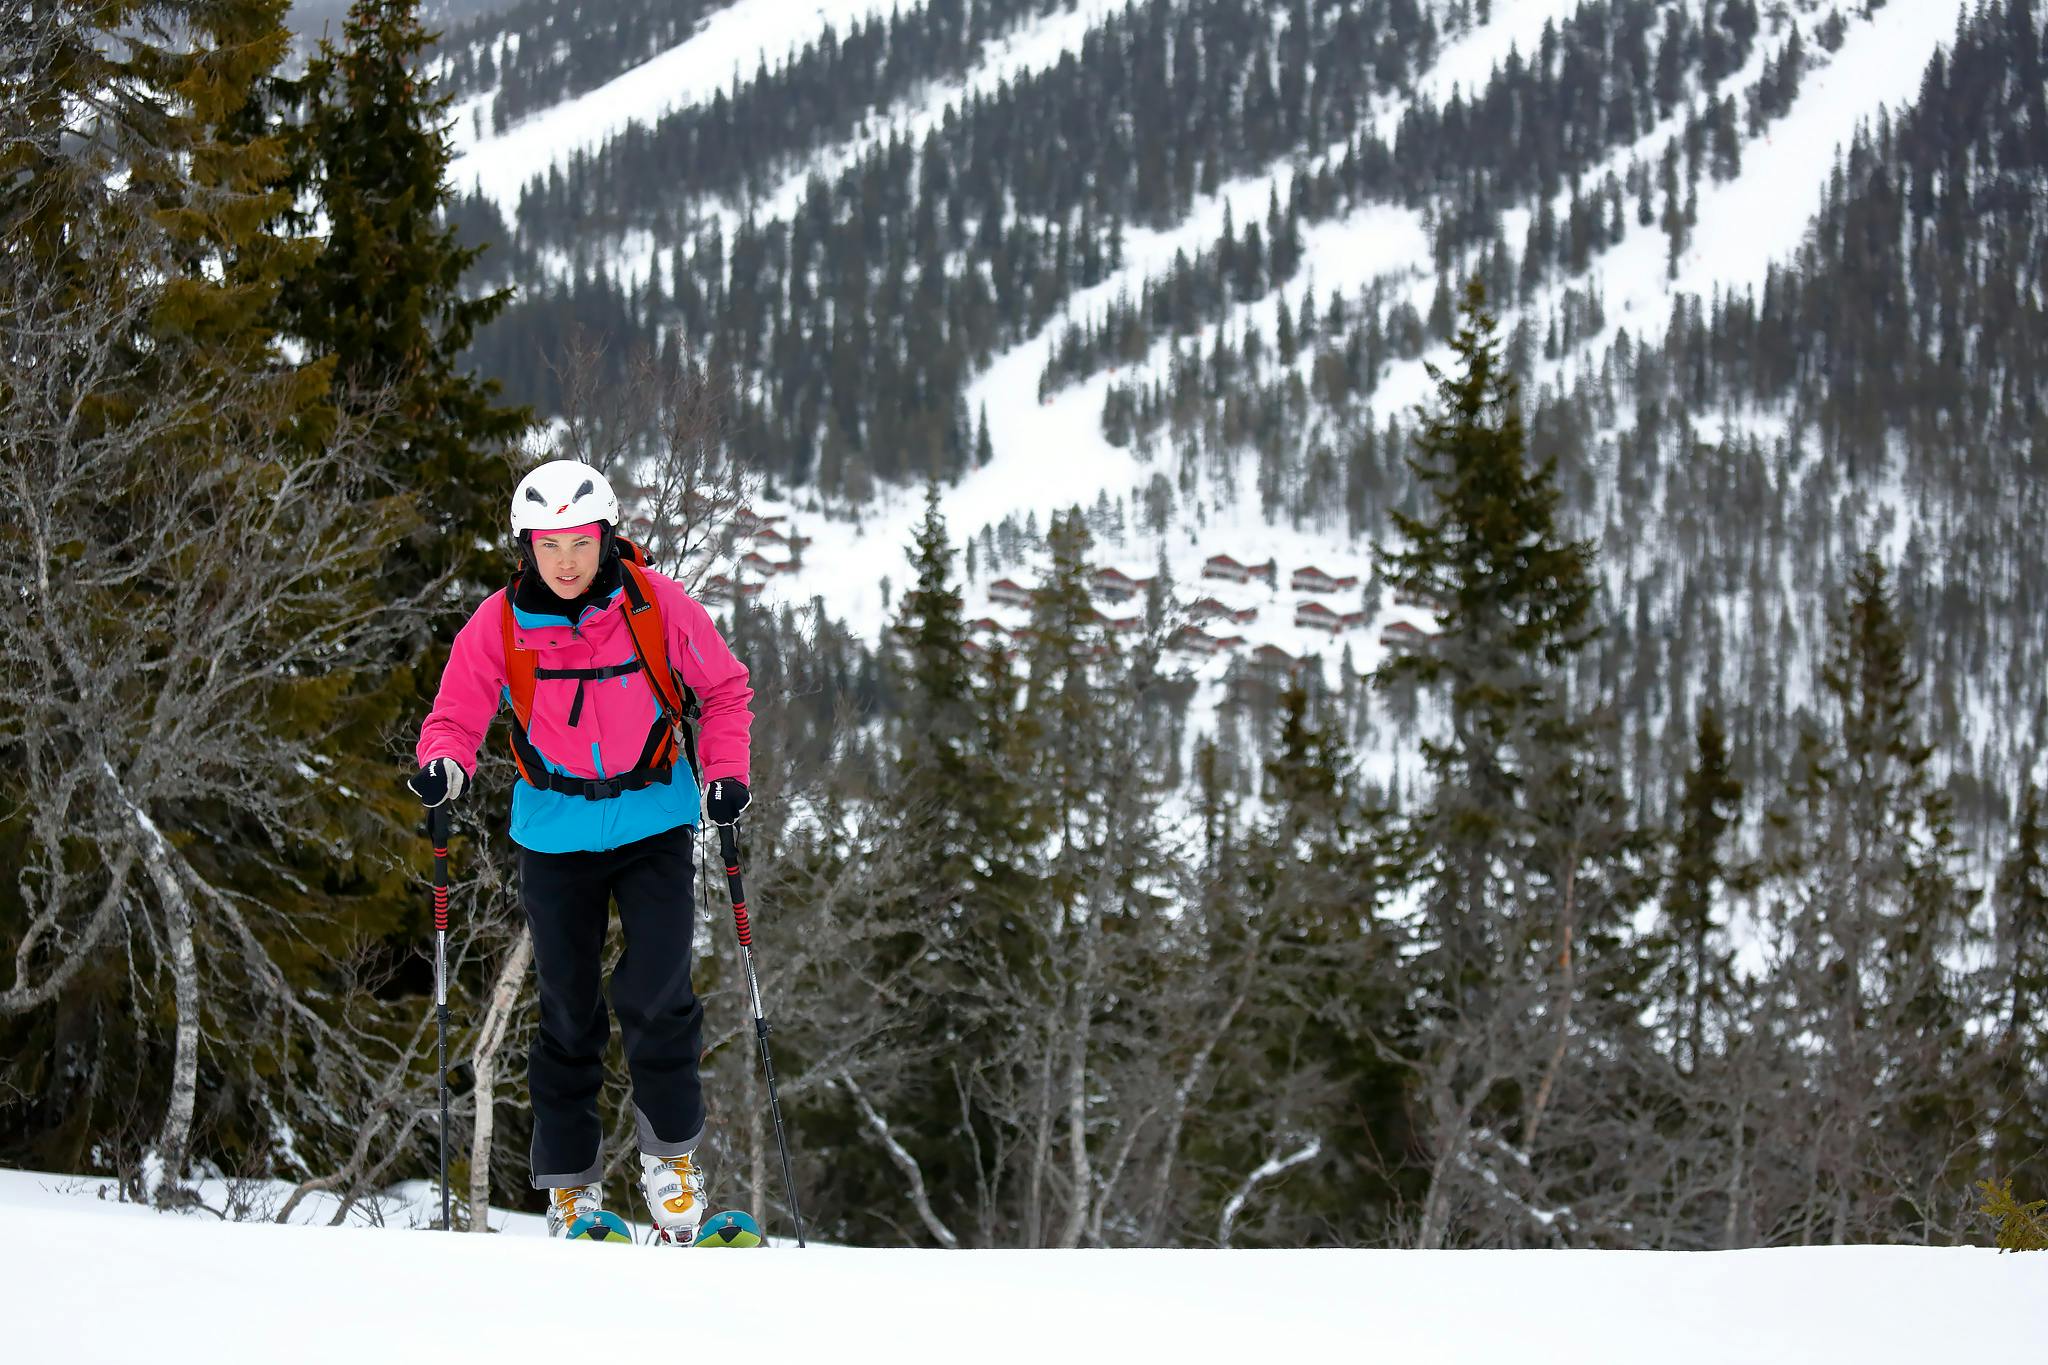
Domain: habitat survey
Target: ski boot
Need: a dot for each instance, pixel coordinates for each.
(674, 1189)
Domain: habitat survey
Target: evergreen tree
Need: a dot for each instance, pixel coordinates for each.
(1522, 851)
(385, 296)
(1108, 944)
(128, 139)
(217, 526)
(965, 873)
(2019, 1074)
(954, 777)
(1515, 602)
(1696, 970)
(1877, 921)
(1329, 1009)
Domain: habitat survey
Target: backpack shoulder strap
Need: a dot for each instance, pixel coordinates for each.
(645, 622)
(519, 662)
(649, 629)
(520, 667)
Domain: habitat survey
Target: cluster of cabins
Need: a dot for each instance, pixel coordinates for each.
(1210, 618)
(755, 568)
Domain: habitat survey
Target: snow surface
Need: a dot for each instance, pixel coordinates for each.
(97, 1281)
(1763, 215)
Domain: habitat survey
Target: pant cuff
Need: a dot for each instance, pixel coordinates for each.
(654, 1146)
(588, 1176)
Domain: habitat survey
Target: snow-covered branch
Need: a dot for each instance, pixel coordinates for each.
(1266, 1170)
(905, 1162)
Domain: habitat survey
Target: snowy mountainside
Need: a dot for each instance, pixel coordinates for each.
(202, 1289)
(727, 43)
(1051, 453)
(1184, 500)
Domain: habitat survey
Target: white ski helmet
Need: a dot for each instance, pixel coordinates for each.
(560, 494)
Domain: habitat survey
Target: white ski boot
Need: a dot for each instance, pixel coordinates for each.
(674, 1189)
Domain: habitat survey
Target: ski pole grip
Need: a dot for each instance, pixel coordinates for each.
(729, 847)
(437, 830)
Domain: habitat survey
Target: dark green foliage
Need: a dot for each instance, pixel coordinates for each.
(2021, 1227)
(973, 875)
(385, 297)
(1695, 969)
(1865, 871)
(2020, 993)
(1327, 1020)
(1515, 600)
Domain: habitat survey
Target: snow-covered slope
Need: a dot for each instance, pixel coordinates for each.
(729, 45)
(1053, 454)
(99, 1282)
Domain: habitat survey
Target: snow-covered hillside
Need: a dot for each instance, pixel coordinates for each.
(102, 1282)
(1050, 449)
(726, 47)
(1052, 454)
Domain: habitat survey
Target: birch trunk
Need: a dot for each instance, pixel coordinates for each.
(1183, 1095)
(920, 1198)
(1436, 1205)
(1079, 1171)
(1269, 1168)
(757, 1144)
(1729, 1231)
(484, 1061)
(1041, 1151)
(174, 1138)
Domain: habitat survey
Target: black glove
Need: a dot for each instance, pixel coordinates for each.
(441, 780)
(725, 800)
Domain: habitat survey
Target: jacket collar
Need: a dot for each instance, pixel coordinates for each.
(537, 604)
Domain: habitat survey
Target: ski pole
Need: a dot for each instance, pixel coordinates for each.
(729, 845)
(437, 831)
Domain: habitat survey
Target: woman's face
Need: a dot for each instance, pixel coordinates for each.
(567, 561)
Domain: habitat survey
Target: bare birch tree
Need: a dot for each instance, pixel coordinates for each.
(187, 615)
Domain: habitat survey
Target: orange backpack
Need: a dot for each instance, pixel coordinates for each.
(675, 704)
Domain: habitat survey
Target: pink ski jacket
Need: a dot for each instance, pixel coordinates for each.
(611, 725)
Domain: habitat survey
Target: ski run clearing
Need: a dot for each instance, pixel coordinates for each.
(96, 1281)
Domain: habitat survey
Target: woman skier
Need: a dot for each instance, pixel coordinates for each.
(602, 660)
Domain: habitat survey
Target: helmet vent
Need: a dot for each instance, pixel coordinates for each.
(584, 490)
(533, 495)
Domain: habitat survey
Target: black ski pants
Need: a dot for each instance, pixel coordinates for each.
(568, 898)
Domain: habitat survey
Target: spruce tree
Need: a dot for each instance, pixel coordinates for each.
(1527, 863)
(142, 128)
(150, 193)
(1099, 790)
(1695, 968)
(1515, 599)
(1328, 1016)
(1865, 886)
(385, 297)
(964, 872)
(2019, 1071)
(953, 778)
